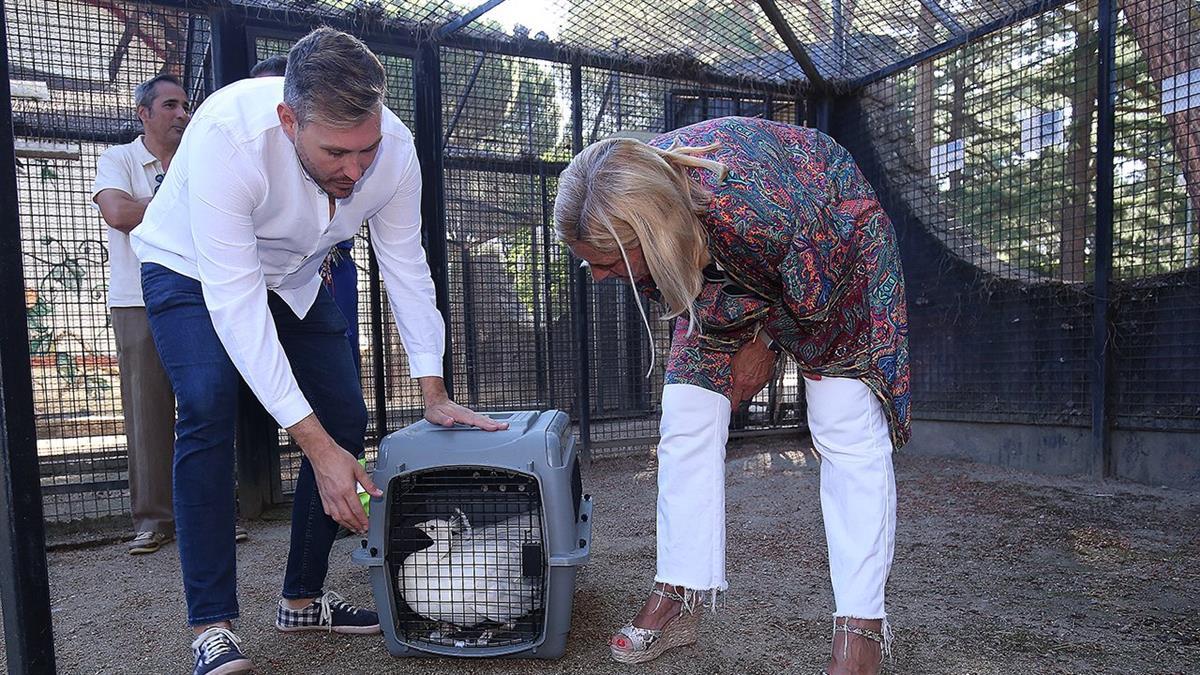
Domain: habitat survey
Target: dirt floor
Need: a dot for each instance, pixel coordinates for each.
(995, 572)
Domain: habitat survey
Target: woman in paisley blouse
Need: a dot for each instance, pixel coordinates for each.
(760, 239)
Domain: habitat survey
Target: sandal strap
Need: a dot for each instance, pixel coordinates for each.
(669, 595)
(863, 632)
(640, 639)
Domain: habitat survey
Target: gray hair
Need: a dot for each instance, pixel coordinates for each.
(274, 66)
(334, 79)
(145, 93)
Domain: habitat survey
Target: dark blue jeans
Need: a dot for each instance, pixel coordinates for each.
(206, 392)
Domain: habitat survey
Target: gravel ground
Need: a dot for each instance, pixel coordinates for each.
(995, 572)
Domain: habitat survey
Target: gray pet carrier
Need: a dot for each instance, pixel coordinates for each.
(473, 547)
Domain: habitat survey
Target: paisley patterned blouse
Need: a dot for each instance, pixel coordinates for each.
(806, 253)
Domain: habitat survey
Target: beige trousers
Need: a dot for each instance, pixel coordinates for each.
(149, 406)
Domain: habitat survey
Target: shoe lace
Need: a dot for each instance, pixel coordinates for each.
(329, 602)
(214, 642)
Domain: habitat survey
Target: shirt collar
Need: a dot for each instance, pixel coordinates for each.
(144, 156)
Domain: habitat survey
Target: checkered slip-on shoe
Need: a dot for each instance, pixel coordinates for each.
(331, 613)
(218, 653)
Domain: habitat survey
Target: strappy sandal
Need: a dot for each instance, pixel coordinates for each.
(845, 627)
(634, 645)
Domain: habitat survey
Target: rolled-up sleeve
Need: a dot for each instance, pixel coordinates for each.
(396, 238)
(221, 198)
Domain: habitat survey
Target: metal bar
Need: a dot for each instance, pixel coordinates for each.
(24, 582)
(583, 379)
(230, 46)
(839, 33)
(604, 99)
(90, 486)
(1102, 331)
(189, 46)
(815, 79)
(538, 339)
(942, 16)
(378, 367)
(462, 101)
(400, 37)
(547, 287)
(471, 343)
(454, 26)
(502, 165)
(1028, 11)
(427, 80)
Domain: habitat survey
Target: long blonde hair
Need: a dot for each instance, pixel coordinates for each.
(621, 192)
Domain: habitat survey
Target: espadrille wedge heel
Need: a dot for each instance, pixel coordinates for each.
(634, 645)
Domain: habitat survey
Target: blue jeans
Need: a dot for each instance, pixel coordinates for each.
(206, 392)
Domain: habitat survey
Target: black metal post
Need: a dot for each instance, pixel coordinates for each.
(230, 46)
(583, 370)
(548, 287)
(378, 367)
(1102, 323)
(470, 341)
(24, 582)
(427, 81)
(257, 433)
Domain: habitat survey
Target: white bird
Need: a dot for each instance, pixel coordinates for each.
(467, 577)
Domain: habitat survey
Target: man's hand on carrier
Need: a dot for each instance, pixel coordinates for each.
(337, 472)
(440, 410)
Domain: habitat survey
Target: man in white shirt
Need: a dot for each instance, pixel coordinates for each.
(270, 174)
(127, 176)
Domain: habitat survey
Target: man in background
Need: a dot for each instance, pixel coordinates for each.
(127, 177)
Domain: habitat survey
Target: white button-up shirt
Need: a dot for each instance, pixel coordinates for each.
(238, 212)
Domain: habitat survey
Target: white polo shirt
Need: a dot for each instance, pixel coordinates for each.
(131, 169)
(239, 213)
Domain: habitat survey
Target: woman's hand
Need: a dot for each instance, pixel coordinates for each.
(752, 366)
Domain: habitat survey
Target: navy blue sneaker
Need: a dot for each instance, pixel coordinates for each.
(330, 613)
(219, 653)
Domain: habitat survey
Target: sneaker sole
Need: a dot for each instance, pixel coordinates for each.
(242, 666)
(344, 630)
(144, 550)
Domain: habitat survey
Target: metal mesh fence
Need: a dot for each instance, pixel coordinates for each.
(1157, 215)
(988, 152)
(991, 150)
(74, 66)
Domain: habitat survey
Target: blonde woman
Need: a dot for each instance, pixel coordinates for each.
(760, 239)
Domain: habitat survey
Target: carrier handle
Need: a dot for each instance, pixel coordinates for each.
(583, 533)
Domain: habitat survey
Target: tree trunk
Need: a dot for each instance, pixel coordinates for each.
(923, 115)
(1076, 222)
(1166, 32)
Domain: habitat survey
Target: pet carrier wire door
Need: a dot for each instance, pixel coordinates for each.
(472, 549)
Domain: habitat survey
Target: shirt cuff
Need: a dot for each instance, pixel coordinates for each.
(425, 365)
(293, 408)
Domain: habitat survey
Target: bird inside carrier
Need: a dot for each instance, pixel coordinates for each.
(468, 557)
(473, 547)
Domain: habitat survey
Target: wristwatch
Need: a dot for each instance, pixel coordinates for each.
(771, 344)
